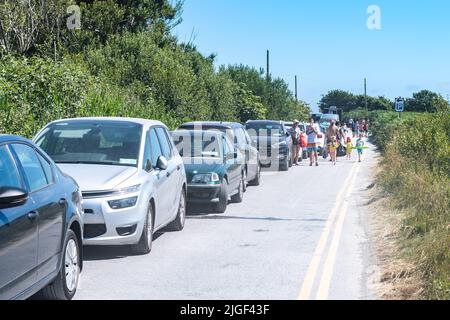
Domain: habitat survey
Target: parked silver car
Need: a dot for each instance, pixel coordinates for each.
(131, 176)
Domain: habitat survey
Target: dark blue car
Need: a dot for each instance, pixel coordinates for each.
(41, 225)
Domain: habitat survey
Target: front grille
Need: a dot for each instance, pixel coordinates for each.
(94, 230)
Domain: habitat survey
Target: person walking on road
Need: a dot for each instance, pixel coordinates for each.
(332, 131)
(349, 148)
(333, 146)
(303, 144)
(312, 132)
(360, 146)
(296, 141)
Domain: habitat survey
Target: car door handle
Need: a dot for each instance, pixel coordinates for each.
(178, 168)
(168, 174)
(62, 202)
(33, 215)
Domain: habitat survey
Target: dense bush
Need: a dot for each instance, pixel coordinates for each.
(37, 90)
(274, 93)
(416, 176)
(123, 61)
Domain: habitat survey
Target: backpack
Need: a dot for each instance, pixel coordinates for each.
(295, 138)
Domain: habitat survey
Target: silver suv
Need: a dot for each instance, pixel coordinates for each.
(131, 176)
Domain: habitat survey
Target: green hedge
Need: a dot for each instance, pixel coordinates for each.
(416, 175)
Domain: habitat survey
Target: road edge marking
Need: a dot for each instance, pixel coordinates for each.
(328, 267)
(308, 280)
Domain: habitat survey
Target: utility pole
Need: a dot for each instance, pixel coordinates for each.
(268, 64)
(296, 96)
(365, 92)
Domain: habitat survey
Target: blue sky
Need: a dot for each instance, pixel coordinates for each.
(327, 43)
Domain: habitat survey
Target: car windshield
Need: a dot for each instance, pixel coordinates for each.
(92, 142)
(329, 117)
(265, 129)
(197, 145)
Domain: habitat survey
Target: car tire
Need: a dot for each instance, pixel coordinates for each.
(284, 166)
(257, 180)
(60, 289)
(221, 207)
(178, 223)
(238, 197)
(245, 180)
(144, 246)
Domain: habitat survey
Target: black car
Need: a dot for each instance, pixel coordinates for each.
(273, 142)
(40, 224)
(242, 141)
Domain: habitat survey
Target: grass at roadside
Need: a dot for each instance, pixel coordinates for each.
(415, 177)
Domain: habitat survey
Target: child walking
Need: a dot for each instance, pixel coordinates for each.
(333, 145)
(360, 146)
(349, 148)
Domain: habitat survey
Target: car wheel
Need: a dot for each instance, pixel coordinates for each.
(238, 197)
(257, 180)
(144, 246)
(245, 180)
(285, 165)
(178, 223)
(221, 207)
(66, 282)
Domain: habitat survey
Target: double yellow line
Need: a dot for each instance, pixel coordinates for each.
(335, 222)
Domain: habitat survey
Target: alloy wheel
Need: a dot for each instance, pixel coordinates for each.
(71, 265)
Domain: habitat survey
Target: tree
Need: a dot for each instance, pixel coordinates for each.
(249, 106)
(30, 26)
(339, 98)
(275, 94)
(426, 101)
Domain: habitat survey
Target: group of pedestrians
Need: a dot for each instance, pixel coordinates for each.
(360, 126)
(308, 140)
(336, 137)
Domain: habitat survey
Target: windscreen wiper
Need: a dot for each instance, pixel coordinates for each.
(87, 162)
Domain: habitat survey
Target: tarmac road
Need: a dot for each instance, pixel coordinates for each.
(302, 234)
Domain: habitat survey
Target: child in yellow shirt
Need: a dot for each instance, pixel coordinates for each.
(332, 146)
(349, 148)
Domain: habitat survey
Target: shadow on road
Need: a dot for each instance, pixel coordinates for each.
(96, 253)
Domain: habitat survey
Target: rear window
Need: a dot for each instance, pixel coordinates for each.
(265, 129)
(204, 144)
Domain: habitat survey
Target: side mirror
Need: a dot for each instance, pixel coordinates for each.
(162, 163)
(148, 166)
(12, 197)
(287, 134)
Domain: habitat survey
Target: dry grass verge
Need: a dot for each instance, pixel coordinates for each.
(398, 278)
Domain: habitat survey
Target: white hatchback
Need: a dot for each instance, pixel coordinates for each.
(131, 176)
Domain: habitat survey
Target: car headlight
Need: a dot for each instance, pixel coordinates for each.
(281, 144)
(206, 178)
(123, 203)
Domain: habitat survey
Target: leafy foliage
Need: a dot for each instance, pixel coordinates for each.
(274, 93)
(416, 176)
